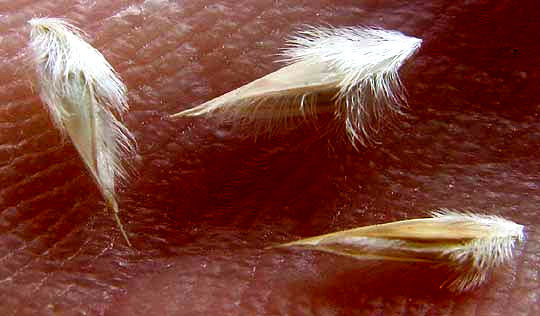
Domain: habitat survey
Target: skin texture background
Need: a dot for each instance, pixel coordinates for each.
(208, 198)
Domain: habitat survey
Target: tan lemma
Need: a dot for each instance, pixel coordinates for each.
(470, 244)
(355, 68)
(84, 97)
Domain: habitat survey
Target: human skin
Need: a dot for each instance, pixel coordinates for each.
(208, 199)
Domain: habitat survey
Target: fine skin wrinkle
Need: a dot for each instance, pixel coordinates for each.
(208, 199)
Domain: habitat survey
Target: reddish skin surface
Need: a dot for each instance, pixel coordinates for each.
(208, 199)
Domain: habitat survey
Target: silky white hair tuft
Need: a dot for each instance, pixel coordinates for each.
(364, 63)
(493, 246)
